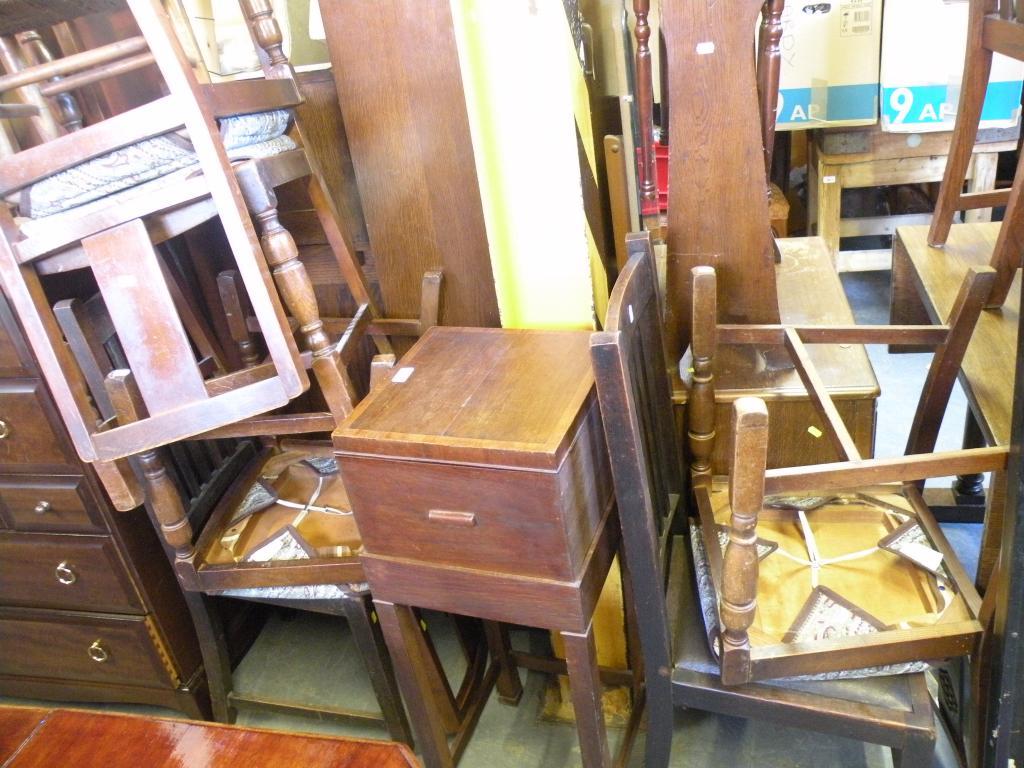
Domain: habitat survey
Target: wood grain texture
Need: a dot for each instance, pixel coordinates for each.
(93, 739)
(412, 153)
(717, 154)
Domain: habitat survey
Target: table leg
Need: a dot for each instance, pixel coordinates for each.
(585, 684)
(826, 211)
(404, 639)
(982, 179)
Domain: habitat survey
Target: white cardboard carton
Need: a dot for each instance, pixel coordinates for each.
(923, 45)
(830, 53)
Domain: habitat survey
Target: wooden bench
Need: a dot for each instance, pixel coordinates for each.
(843, 158)
(924, 284)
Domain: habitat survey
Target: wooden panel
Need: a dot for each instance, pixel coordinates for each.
(50, 504)
(50, 644)
(790, 443)
(412, 153)
(470, 517)
(326, 140)
(717, 155)
(15, 359)
(92, 740)
(29, 437)
(145, 317)
(74, 572)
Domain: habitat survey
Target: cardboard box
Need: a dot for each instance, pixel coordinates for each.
(923, 46)
(830, 55)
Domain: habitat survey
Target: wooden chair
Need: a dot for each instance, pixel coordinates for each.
(179, 400)
(650, 486)
(219, 503)
(994, 26)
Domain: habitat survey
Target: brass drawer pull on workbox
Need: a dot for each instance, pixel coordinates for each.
(65, 574)
(42, 507)
(98, 653)
(5, 429)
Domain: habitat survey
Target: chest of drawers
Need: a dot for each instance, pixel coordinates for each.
(89, 610)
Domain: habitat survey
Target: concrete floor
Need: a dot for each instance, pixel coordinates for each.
(311, 658)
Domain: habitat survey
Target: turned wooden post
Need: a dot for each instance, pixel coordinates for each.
(739, 569)
(266, 32)
(296, 288)
(769, 64)
(701, 407)
(164, 502)
(645, 117)
(67, 105)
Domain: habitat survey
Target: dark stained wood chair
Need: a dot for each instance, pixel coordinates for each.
(219, 502)
(994, 26)
(651, 487)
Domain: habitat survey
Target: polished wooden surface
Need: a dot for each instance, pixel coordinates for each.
(454, 400)
(412, 153)
(928, 277)
(38, 737)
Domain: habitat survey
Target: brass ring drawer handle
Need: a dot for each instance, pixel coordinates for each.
(65, 574)
(42, 507)
(98, 653)
(5, 429)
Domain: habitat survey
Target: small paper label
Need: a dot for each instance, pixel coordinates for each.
(402, 375)
(703, 49)
(926, 557)
(828, 179)
(814, 432)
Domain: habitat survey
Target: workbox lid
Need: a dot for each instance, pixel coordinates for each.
(487, 396)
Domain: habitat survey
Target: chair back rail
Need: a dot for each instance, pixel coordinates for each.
(993, 27)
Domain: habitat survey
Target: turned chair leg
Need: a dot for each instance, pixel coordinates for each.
(374, 653)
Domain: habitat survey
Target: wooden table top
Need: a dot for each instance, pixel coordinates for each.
(810, 293)
(987, 371)
(42, 738)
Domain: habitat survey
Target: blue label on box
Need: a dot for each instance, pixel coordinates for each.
(842, 102)
(926, 104)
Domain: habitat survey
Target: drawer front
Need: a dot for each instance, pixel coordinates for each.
(115, 650)
(26, 436)
(49, 504)
(81, 573)
(491, 519)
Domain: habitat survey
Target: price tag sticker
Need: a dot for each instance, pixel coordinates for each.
(402, 375)
(814, 432)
